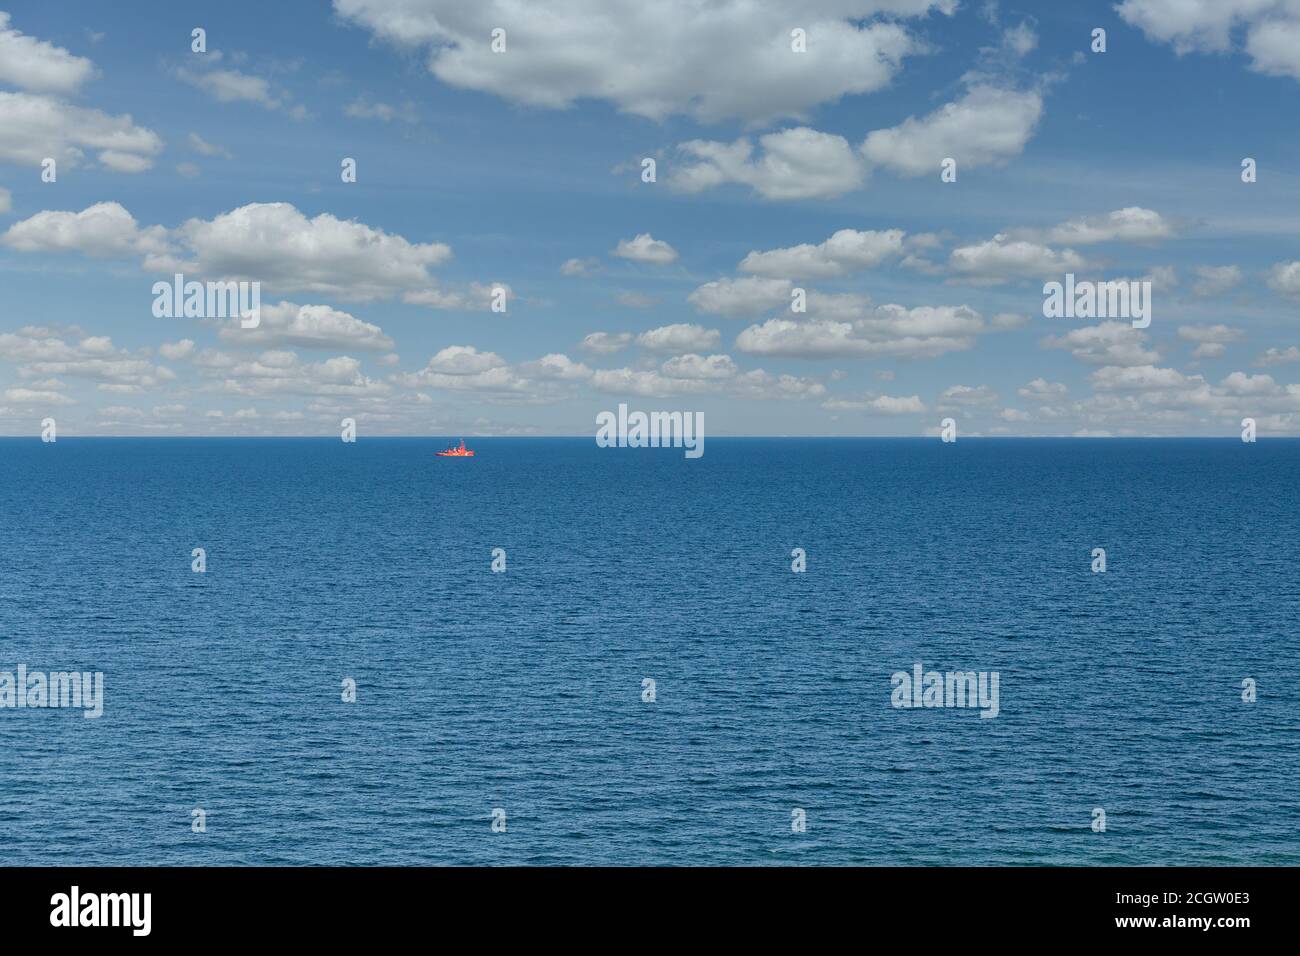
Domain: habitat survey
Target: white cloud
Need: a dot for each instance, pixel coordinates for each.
(556, 367)
(103, 230)
(645, 248)
(1271, 28)
(45, 352)
(881, 404)
(475, 297)
(363, 108)
(6, 200)
(579, 267)
(1001, 258)
(464, 360)
(28, 396)
(626, 381)
(174, 351)
(33, 127)
(679, 338)
(1020, 40)
(1140, 378)
(966, 396)
(1110, 343)
(1130, 224)
(698, 367)
(281, 372)
(1285, 278)
(847, 251)
(1211, 340)
(797, 163)
(1215, 280)
(887, 331)
(1276, 356)
(232, 86)
(988, 125)
(281, 247)
(569, 50)
(1042, 390)
(39, 66)
(606, 343)
(308, 326)
(203, 147)
(736, 297)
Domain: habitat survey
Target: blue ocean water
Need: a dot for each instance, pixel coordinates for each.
(523, 690)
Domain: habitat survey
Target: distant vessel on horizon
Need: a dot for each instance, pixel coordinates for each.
(457, 452)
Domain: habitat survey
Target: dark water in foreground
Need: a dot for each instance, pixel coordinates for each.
(522, 690)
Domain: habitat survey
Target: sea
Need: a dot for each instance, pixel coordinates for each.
(645, 679)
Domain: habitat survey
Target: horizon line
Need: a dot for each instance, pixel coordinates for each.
(335, 437)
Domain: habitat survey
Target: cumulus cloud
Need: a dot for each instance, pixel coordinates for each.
(643, 382)
(988, 125)
(1002, 258)
(880, 404)
(694, 366)
(741, 297)
(175, 351)
(1140, 378)
(798, 163)
(364, 108)
(464, 360)
(475, 297)
(1212, 340)
(1130, 224)
(1284, 277)
(308, 326)
(103, 230)
(232, 86)
(606, 343)
(272, 243)
(33, 127)
(569, 50)
(280, 371)
(278, 245)
(33, 397)
(967, 396)
(1043, 390)
(1110, 343)
(38, 66)
(678, 338)
(463, 368)
(1215, 280)
(579, 267)
(847, 251)
(1277, 356)
(886, 331)
(1271, 29)
(45, 352)
(645, 248)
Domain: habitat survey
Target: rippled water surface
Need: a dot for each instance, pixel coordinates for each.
(522, 690)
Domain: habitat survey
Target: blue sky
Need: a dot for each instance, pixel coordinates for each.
(478, 169)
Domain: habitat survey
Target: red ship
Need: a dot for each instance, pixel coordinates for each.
(454, 452)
